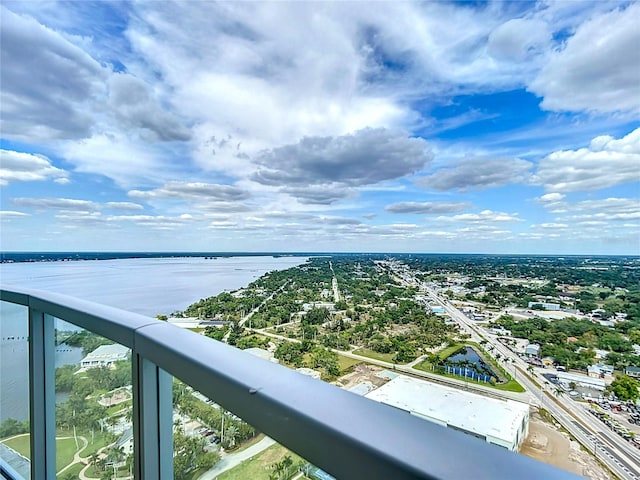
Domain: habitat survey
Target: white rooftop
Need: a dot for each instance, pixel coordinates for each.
(262, 353)
(103, 352)
(309, 372)
(448, 406)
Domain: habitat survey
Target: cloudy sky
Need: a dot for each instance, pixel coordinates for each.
(316, 126)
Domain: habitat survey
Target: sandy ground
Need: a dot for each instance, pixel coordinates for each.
(547, 444)
(362, 373)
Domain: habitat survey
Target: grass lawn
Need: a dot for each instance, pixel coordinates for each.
(365, 352)
(73, 472)
(510, 386)
(20, 445)
(65, 449)
(250, 442)
(100, 439)
(121, 407)
(424, 366)
(448, 351)
(345, 363)
(256, 468)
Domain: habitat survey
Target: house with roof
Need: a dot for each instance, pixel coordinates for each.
(632, 371)
(532, 350)
(601, 370)
(105, 356)
(548, 361)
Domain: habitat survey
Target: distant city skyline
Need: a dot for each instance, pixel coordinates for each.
(444, 127)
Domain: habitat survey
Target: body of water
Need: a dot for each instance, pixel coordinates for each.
(468, 363)
(148, 286)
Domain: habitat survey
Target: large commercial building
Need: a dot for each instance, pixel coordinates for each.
(501, 422)
(581, 380)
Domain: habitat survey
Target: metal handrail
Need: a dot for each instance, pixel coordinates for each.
(345, 434)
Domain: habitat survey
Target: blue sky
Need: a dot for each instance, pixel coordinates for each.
(471, 127)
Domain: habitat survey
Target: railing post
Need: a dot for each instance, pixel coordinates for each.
(42, 402)
(152, 420)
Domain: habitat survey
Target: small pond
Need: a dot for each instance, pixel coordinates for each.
(467, 363)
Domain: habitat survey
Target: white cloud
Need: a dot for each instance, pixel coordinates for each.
(134, 107)
(124, 206)
(12, 214)
(427, 207)
(597, 70)
(56, 203)
(518, 39)
(121, 158)
(604, 217)
(24, 167)
(80, 218)
(477, 174)
(199, 191)
(552, 197)
(48, 83)
(158, 222)
(605, 163)
(485, 216)
(323, 169)
(551, 226)
(608, 205)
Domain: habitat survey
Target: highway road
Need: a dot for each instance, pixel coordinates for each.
(612, 450)
(334, 285)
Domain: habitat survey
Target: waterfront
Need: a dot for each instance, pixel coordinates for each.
(467, 363)
(145, 286)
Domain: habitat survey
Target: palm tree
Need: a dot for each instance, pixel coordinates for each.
(231, 434)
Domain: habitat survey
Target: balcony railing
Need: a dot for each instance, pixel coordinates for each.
(344, 434)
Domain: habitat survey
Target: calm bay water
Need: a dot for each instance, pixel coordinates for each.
(146, 286)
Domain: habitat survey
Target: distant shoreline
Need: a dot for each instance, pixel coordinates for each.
(20, 257)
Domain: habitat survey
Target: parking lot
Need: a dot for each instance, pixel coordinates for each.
(620, 417)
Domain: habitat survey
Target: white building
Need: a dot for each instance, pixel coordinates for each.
(328, 305)
(309, 372)
(501, 422)
(581, 380)
(105, 356)
(544, 305)
(533, 349)
(601, 370)
(262, 353)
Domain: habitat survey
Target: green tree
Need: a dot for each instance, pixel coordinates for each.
(190, 455)
(65, 378)
(326, 359)
(11, 427)
(316, 316)
(231, 435)
(290, 353)
(625, 388)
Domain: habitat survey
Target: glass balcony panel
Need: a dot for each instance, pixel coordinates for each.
(14, 388)
(94, 432)
(213, 443)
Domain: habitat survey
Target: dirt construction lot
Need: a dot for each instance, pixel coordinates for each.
(549, 445)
